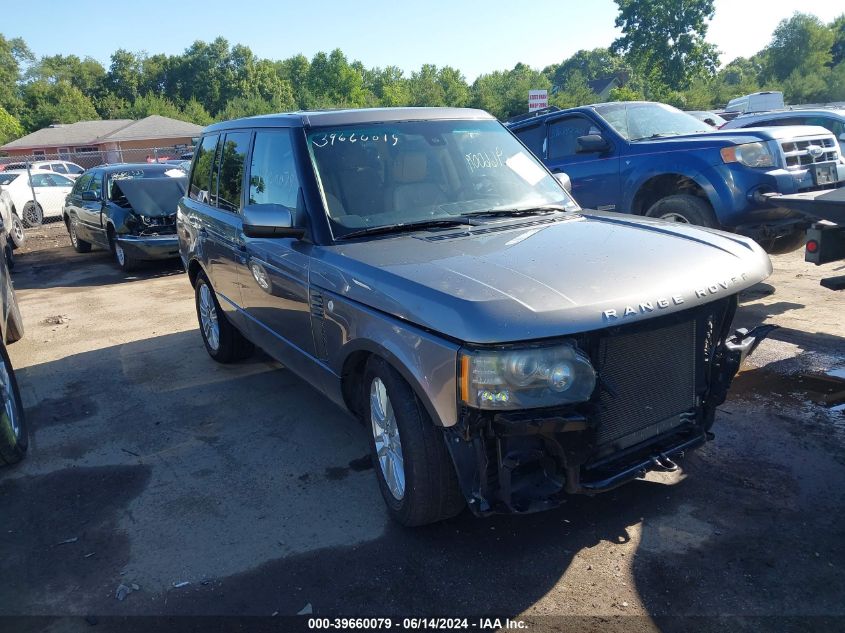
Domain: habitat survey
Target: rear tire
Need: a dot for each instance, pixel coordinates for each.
(16, 232)
(80, 246)
(223, 342)
(14, 434)
(33, 214)
(403, 438)
(685, 209)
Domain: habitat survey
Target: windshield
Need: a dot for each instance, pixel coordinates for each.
(5, 179)
(389, 174)
(640, 121)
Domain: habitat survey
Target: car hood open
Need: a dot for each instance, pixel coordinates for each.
(152, 196)
(539, 277)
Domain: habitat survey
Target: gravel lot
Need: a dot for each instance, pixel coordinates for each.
(152, 466)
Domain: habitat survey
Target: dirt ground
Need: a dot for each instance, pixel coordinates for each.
(239, 490)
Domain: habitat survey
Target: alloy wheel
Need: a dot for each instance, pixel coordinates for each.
(387, 441)
(208, 318)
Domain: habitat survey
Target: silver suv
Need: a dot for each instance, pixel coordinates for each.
(422, 269)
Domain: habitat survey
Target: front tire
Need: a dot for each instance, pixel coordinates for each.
(16, 232)
(685, 209)
(80, 246)
(124, 260)
(33, 214)
(223, 342)
(14, 434)
(415, 472)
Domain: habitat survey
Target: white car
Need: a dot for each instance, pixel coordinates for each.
(63, 167)
(49, 189)
(11, 222)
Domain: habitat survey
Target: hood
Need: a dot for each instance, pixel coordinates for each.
(726, 137)
(538, 278)
(151, 197)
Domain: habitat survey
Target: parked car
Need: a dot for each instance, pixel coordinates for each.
(14, 436)
(63, 167)
(710, 118)
(422, 269)
(831, 119)
(11, 221)
(654, 160)
(129, 209)
(49, 191)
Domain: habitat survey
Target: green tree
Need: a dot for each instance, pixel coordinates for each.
(10, 127)
(13, 53)
(505, 93)
(123, 78)
(425, 88)
(389, 86)
(597, 63)
(86, 74)
(837, 50)
(664, 40)
(61, 102)
(574, 92)
(801, 44)
(195, 113)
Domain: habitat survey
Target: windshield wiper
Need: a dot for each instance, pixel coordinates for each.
(405, 227)
(520, 211)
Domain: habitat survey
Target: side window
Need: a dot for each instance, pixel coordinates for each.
(232, 157)
(201, 173)
(40, 180)
(74, 169)
(564, 132)
(272, 172)
(59, 168)
(777, 122)
(837, 127)
(534, 137)
(96, 184)
(81, 184)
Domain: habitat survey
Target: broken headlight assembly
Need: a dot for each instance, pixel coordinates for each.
(525, 378)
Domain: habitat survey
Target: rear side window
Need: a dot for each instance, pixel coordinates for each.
(232, 157)
(201, 174)
(272, 174)
(74, 169)
(534, 137)
(59, 168)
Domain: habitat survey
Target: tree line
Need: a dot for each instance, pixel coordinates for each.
(662, 55)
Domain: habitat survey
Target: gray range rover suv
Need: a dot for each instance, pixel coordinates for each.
(418, 266)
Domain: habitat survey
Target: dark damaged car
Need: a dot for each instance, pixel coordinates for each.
(129, 209)
(420, 267)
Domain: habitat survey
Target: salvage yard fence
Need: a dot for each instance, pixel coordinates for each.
(34, 187)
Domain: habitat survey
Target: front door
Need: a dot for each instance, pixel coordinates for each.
(90, 212)
(275, 280)
(595, 177)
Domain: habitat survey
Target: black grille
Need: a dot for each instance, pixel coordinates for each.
(648, 383)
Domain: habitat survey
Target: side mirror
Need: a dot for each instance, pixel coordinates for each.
(270, 220)
(90, 196)
(564, 180)
(591, 144)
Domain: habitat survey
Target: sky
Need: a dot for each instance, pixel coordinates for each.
(474, 37)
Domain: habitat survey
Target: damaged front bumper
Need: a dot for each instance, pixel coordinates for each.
(150, 247)
(526, 461)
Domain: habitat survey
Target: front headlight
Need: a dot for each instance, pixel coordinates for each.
(749, 154)
(525, 378)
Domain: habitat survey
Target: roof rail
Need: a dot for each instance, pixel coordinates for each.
(532, 114)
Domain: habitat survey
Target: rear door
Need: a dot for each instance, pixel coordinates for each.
(90, 212)
(275, 277)
(212, 210)
(595, 176)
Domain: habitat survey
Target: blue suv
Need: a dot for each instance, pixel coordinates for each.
(654, 160)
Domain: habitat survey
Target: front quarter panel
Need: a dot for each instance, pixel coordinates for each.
(427, 361)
